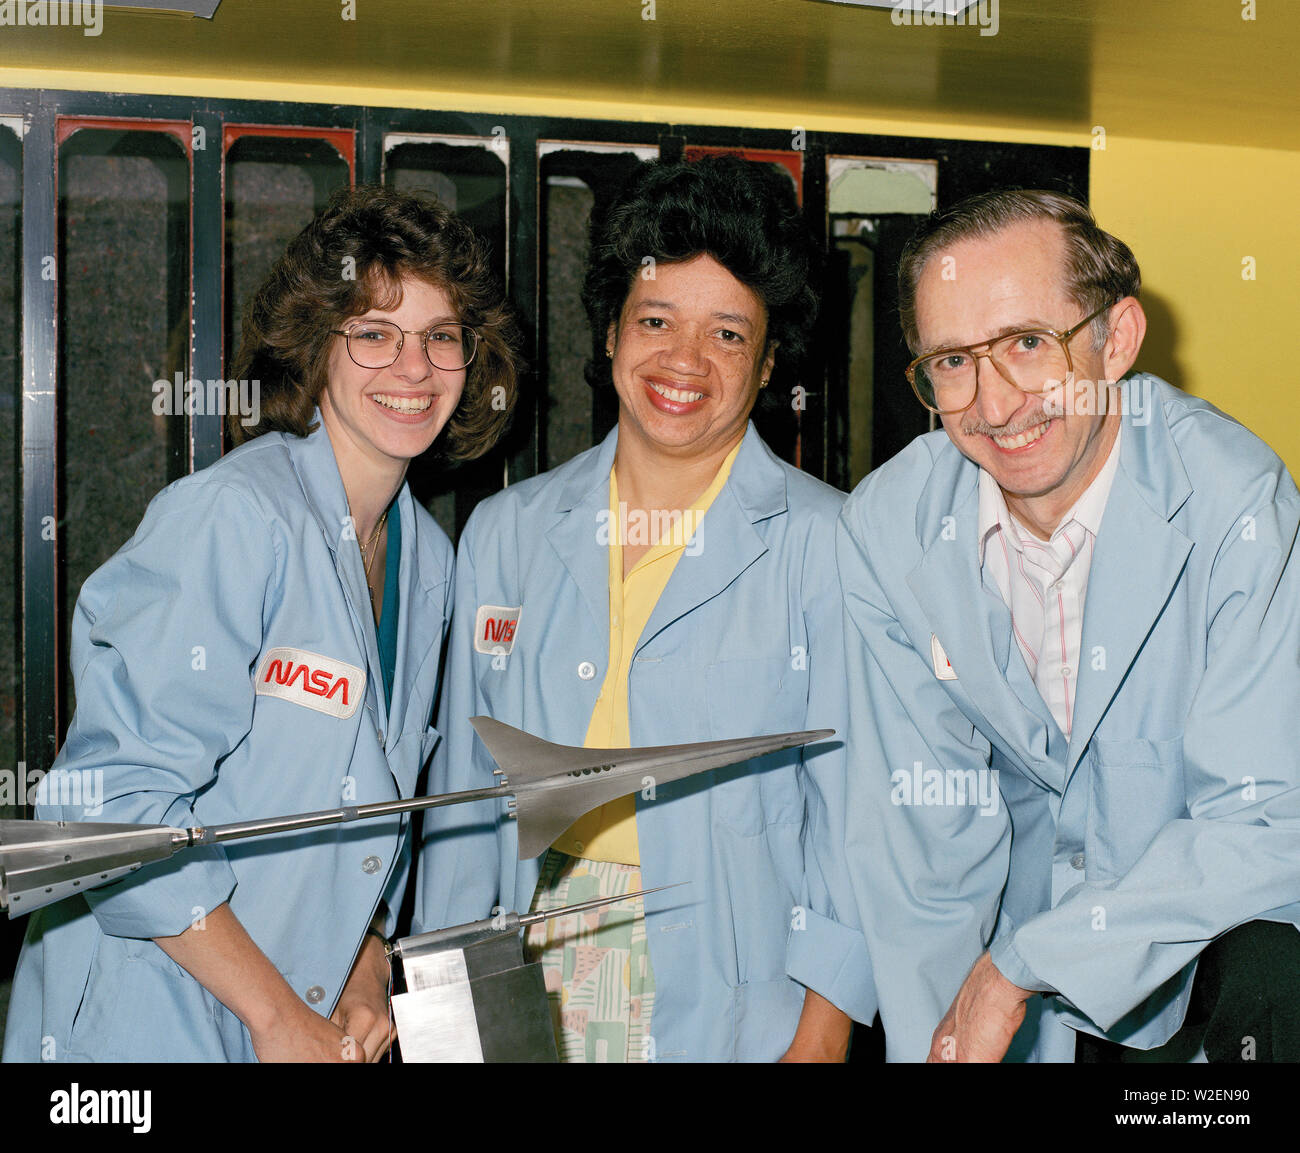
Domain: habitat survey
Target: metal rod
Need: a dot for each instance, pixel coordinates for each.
(594, 903)
(217, 833)
(455, 935)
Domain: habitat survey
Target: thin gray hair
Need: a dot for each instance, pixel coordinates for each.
(1100, 269)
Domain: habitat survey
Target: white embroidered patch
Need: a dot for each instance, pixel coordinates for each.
(495, 629)
(320, 683)
(942, 665)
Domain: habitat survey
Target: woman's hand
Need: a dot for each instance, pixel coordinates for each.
(218, 953)
(362, 1011)
(299, 1034)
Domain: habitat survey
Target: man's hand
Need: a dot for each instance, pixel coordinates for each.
(822, 1034)
(982, 1019)
(362, 1010)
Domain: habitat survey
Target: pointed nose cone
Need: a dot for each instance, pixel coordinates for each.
(45, 861)
(555, 784)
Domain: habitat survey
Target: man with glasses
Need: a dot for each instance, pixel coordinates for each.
(1068, 834)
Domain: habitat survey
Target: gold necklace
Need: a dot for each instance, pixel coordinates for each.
(367, 561)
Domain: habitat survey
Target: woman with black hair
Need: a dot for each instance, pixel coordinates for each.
(268, 643)
(676, 583)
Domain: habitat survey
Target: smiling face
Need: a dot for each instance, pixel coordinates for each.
(689, 353)
(380, 418)
(975, 290)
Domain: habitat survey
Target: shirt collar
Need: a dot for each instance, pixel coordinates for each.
(684, 526)
(1088, 510)
(993, 510)
(1092, 504)
(318, 473)
(757, 477)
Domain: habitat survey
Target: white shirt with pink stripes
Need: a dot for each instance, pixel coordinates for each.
(1044, 583)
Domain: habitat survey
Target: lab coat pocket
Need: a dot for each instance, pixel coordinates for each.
(137, 1005)
(1135, 789)
(749, 698)
(98, 997)
(767, 1013)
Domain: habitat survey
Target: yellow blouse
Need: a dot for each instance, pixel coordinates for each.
(609, 832)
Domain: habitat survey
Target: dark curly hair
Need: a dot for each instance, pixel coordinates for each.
(740, 212)
(351, 259)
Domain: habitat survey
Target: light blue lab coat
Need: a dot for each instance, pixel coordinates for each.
(744, 640)
(169, 643)
(1173, 813)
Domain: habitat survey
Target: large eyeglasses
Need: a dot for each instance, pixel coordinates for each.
(378, 343)
(1035, 361)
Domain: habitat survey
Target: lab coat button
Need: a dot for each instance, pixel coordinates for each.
(380, 736)
(1077, 861)
(315, 995)
(586, 670)
(371, 865)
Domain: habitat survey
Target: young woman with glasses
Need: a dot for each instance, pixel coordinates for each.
(268, 643)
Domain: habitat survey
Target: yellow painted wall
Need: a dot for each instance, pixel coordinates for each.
(1191, 212)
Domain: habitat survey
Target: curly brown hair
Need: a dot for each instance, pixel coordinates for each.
(350, 259)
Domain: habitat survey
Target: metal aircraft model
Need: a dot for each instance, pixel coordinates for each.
(551, 785)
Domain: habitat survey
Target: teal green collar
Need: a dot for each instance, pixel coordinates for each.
(391, 608)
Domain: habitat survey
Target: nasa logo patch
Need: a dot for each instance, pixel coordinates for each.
(495, 629)
(303, 678)
(942, 665)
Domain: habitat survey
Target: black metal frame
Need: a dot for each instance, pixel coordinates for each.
(963, 167)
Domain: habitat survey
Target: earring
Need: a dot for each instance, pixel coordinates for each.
(762, 384)
(609, 354)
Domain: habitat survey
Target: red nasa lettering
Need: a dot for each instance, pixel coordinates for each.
(495, 630)
(315, 681)
(499, 631)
